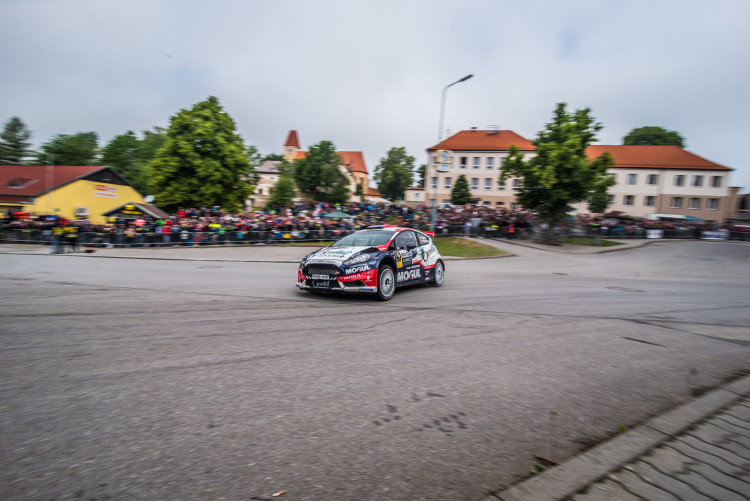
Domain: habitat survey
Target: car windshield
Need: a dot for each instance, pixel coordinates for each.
(364, 239)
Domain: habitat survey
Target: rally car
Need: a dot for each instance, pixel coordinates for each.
(375, 260)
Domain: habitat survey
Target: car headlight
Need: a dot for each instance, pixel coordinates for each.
(359, 258)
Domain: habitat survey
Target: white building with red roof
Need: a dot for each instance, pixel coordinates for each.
(352, 166)
(649, 179)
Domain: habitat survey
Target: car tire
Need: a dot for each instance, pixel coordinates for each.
(438, 274)
(386, 283)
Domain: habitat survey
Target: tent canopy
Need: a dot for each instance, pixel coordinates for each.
(337, 215)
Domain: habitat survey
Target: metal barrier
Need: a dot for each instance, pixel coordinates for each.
(189, 238)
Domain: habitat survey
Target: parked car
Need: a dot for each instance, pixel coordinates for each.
(376, 260)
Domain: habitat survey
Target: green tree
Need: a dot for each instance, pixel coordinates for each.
(560, 174)
(422, 171)
(320, 175)
(460, 194)
(81, 148)
(132, 157)
(203, 161)
(14, 143)
(282, 192)
(394, 174)
(654, 135)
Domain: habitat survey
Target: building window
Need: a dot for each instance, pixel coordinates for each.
(501, 185)
(632, 178)
(676, 203)
(416, 195)
(715, 181)
(679, 180)
(502, 161)
(613, 176)
(628, 200)
(434, 159)
(695, 203)
(475, 163)
(490, 162)
(474, 183)
(516, 184)
(433, 182)
(448, 183)
(652, 179)
(514, 205)
(499, 203)
(488, 183)
(697, 181)
(463, 162)
(649, 201)
(713, 204)
(610, 199)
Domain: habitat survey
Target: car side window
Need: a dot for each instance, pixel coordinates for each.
(423, 239)
(406, 240)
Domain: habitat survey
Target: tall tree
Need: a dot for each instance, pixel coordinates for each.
(654, 135)
(202, 162)
(461, 194)
(282, 192)
(132, 157)
(560, 174)
(14, 143)
(395, 173)
(81, 148)
(422, 171)
(319, 174)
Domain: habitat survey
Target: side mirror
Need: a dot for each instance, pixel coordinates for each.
(411, 246)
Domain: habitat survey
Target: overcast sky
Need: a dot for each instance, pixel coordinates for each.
(368, 76)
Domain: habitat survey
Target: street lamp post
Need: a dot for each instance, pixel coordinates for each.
(442, 104)
(440, 138)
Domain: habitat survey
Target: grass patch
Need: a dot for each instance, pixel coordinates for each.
(589, 241)
(462, 247)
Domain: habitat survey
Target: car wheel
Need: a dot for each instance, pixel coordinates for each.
(439, 276)
(386, 283)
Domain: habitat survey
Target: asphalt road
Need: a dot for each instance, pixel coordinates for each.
(156, 379)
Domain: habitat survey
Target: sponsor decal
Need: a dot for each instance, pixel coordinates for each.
(359, 268)
(358, 276)
(320, 277)
(409, 275)
(333, 254)
(102, 190)
(399, 262)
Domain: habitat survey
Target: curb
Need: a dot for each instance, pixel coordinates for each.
(578, 472)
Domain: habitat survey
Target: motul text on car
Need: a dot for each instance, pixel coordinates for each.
(375, 260)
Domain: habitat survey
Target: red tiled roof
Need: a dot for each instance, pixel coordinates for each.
(353, 160)
(292, 140)
(34, 180)
(372, 192)
(484, 140)
(654, 157)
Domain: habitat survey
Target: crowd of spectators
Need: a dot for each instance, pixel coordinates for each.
(313, 221)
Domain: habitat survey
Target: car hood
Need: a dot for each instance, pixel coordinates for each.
(334, 255)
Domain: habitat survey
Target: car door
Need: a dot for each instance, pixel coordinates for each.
(409, 269)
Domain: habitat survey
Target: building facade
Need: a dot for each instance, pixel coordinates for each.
(649, 179)
(667, 180)
(71, 192)
(478, 155)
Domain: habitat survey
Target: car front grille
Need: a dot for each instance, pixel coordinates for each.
(321, 269)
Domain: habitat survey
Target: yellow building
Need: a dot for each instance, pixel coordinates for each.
(71, 192)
